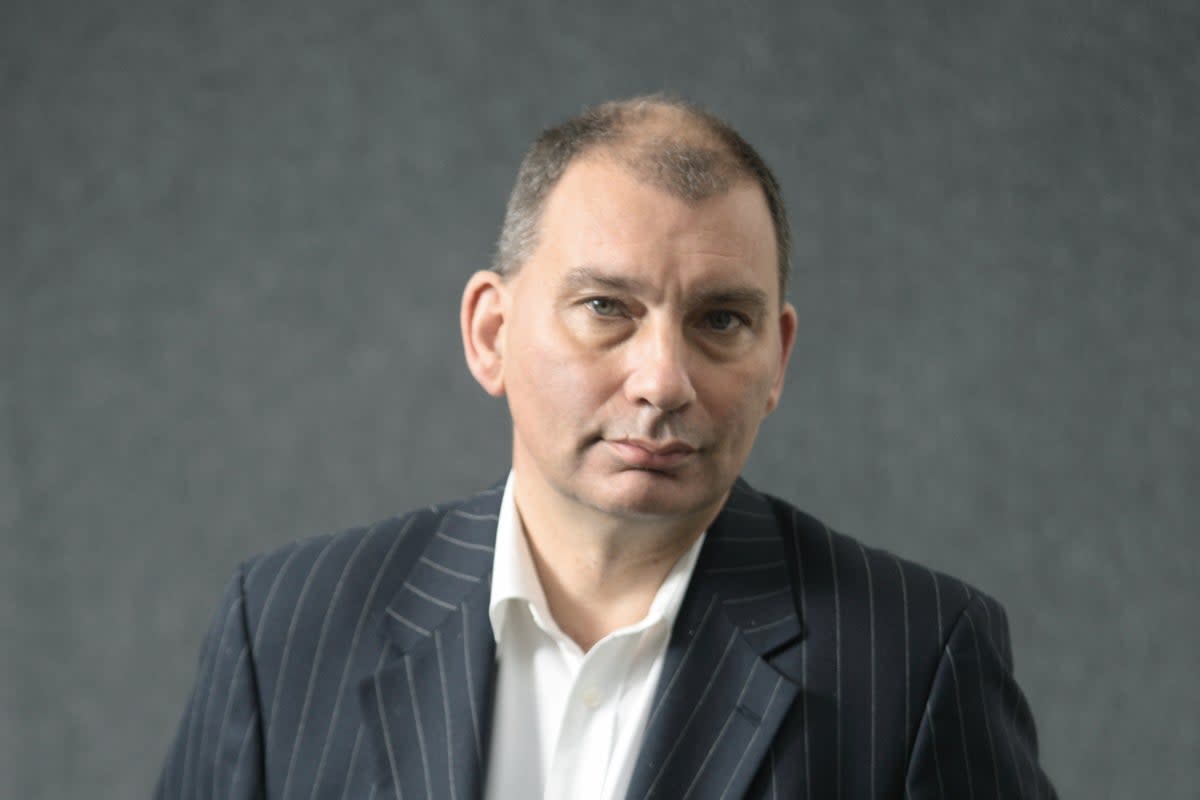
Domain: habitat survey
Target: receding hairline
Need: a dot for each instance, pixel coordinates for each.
(605, 158)
(652, 133)
(661, 140)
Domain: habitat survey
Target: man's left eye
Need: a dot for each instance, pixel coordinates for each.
(723, 321)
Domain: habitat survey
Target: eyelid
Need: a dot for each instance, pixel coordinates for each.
(744, 320)
(619, 307)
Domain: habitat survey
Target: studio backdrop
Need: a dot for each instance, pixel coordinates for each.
(233, 238)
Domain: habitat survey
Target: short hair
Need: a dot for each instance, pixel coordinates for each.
(700, 157)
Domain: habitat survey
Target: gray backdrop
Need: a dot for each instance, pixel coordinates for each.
(234, 236)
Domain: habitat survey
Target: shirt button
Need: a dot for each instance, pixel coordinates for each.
(592, 698)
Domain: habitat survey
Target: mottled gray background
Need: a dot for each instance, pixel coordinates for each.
(233, 237)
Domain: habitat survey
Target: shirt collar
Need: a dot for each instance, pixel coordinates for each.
(515, 581)
(514, 578)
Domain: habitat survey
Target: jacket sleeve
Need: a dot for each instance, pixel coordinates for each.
(977, 737)
(217, 750)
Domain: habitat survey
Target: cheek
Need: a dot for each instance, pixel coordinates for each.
(554, 378)
(738, 402)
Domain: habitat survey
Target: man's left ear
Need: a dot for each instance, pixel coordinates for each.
(787, 338)
(481, 318)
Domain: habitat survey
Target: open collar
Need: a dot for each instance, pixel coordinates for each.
(728, 678)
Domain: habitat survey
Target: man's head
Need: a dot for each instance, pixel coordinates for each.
(638, 329)
(666, 141)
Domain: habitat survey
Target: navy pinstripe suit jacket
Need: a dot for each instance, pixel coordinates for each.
(802, 665)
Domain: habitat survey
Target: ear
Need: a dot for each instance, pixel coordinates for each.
(484, 305)
(787, 338)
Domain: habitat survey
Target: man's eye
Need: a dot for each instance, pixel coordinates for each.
(605, 306)
(724, 321)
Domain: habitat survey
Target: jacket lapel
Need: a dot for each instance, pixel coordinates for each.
(428, 706)
(729, 677)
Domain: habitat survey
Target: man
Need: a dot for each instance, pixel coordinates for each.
(623, 617)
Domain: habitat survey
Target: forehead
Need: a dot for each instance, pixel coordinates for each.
(601, 212)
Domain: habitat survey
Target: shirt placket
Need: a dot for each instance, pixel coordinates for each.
(587, 737)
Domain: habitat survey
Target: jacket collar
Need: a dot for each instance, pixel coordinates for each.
(428, 706)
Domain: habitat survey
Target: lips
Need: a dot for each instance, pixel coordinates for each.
(646, 454)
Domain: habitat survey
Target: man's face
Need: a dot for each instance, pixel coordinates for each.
(643, 343)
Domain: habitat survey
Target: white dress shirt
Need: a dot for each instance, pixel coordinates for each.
(567, 725)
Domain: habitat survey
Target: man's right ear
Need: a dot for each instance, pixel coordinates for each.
(484, 305)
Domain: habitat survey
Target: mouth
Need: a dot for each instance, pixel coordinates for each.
(651, 455)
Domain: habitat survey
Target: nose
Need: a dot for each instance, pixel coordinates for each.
(658, 370)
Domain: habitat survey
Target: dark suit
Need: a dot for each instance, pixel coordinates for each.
(802, 665)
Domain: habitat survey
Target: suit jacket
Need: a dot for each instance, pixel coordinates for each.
(802, 664)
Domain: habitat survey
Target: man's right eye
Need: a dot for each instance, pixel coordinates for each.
(604, 306)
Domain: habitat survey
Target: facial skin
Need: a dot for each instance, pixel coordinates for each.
(639, 347)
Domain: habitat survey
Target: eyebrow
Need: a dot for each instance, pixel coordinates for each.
(755, 299)
(587, 277)
(590, 277)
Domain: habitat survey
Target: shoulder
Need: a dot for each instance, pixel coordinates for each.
(306, 585)
(286, 575)
(834, 566)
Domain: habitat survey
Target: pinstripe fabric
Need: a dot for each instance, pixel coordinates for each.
(802, 665)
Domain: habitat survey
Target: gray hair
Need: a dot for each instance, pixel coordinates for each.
(700, 158)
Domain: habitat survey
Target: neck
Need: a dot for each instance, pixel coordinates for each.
(600, 572)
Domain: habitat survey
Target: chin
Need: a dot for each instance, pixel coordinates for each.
(645, 495)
